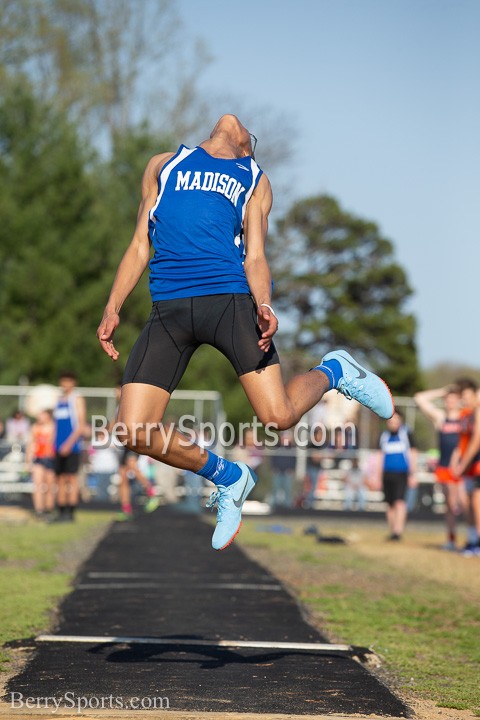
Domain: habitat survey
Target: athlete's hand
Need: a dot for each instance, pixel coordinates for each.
(65, 448)
(454, 462)
(458, 467)
(268, 324)
(412, 480)
(106, 331)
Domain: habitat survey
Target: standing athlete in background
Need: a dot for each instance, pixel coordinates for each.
(130, 471)
(446, 421)
(398, 465)
(70, 426)
(205, 211)
(40, 457)
(466, 461)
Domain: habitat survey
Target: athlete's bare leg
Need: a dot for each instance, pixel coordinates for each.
(67, 494)
(272, 401)
(142, 405)
(452, 503)
(50, 492)
(397, 517)
(62, 490)
(132, 466)
(391, 518)
(476, 509)
(39, 487)
(73, 489)
(284, 405)
(124, 490)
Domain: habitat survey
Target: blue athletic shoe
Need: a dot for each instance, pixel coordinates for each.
(470, 550)
(360, 384)
(230, 502)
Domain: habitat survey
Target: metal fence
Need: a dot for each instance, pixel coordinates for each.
(329, 489)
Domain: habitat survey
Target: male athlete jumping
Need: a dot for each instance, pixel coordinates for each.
(205, 211)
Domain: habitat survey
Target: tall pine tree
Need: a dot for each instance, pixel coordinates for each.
(339, 285)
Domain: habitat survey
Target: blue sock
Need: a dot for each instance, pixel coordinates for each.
(219, 470)
(333, 370)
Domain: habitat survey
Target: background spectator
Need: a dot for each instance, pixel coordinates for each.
(398, 464)
(446, 421)
(315, 476)
(104, 463)
(70, 426)
(40, 459)
(130, 471)
(355, 490)
(466, 462)
(18, 428)
(283, 463)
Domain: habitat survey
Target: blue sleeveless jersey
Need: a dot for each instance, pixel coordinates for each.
(396, 446)
(196, 225)
(65, 417)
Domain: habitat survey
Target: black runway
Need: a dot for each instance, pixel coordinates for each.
(158, 578)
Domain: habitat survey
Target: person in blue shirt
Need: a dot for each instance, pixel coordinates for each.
(398, 465)
(204, 210)
(70, 426)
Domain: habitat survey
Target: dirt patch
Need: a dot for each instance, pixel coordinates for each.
(15, 515)
(6, 712)
(423, 711)
(430, 563)
(75, 554)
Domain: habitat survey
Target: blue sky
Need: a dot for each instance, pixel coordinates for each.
(384, 96)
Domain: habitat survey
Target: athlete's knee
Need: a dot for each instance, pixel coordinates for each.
(284, 422)
(148, 438)
(278, 418)
(138, 436)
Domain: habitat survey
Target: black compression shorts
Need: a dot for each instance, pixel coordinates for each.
(176, 328)
(67, 464)
(394, 486)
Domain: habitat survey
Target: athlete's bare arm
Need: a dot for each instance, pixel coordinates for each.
(256, 266)
(425, 401)
(135, 259)
(412, 473)
(30, 446)
(81, 429)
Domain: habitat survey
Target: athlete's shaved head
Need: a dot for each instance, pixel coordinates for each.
(227, 124)
(230, 128)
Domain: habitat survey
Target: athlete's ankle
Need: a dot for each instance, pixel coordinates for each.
(332, 371)
(219, 470)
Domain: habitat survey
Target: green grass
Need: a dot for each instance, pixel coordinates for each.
(426, 631)
(30, 580)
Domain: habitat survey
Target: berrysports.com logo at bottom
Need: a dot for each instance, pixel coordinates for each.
(80, 702)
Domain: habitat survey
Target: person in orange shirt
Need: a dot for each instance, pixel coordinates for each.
(466, 461)
(40, 458)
